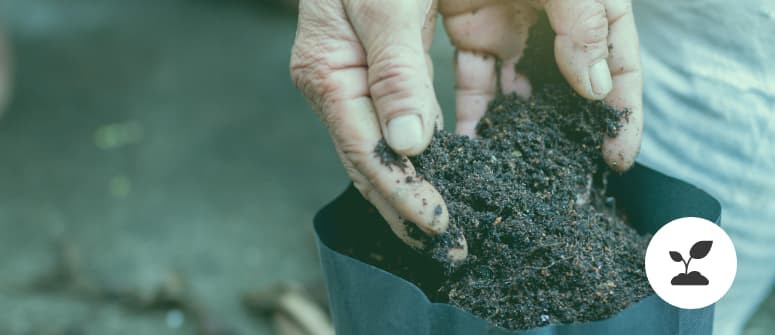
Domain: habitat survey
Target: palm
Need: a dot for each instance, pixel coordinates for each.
(484, 31)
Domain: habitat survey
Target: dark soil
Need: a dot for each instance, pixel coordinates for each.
(545, 243)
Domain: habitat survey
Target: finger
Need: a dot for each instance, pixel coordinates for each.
(355, 129)
(403, 229)
(627, 76)
(391, 33)
(483, 31)
(474, 89)
(427, 40)
(581, 45)
(401, 197)
(499, 28)
(429, 25)
(385, 209)
(328, 64)
(513, 81)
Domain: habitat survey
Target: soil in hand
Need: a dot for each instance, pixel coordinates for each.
(546, 245)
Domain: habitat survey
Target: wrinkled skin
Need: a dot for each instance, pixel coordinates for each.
(364, 66)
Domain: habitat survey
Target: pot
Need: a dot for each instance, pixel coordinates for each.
(365, 299)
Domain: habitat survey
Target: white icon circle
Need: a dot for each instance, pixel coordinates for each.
(691, 263)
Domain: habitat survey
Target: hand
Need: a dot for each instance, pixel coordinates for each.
(596, 49)
(364, 66)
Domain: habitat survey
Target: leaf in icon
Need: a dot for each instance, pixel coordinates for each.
(676, 256)
(700, 249)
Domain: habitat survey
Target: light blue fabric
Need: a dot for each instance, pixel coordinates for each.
(709, 104)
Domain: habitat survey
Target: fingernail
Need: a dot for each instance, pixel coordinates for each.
(405, 132)
(600, 78)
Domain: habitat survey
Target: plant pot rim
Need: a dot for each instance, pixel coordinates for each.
(649, 187)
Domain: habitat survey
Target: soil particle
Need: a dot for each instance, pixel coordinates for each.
(536, 254)
(389, 158)
(545, 243)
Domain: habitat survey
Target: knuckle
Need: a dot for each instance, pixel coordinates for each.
(591, 24)
(392, 80)
(355, 161)
(383, 11)
(311, 71)
(337, 125)
(393, 83)
(369, 10)
(393, 61)
(364, 188)
(300, 67)
(617, 9)
(356, 152)
(359, 179)
(358, 157)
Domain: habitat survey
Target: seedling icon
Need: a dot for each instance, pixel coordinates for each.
(699, 250)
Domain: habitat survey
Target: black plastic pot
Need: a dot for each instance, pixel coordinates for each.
(365, 299)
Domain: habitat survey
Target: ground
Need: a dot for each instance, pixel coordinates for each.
(155, 138)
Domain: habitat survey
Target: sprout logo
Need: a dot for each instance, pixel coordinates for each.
(690, 262)
(699, 250)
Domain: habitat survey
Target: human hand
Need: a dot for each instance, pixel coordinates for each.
(596, 49)
(364, 65)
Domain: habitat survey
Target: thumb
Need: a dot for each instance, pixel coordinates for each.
(581, 45)
(399, 76)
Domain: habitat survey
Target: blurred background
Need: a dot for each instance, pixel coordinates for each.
(159, 171)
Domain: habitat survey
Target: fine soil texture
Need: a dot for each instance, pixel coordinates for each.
(545, 244)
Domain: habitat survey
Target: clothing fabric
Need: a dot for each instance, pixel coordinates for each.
(709, 113)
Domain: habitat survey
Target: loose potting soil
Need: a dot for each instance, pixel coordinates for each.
(545, 244)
